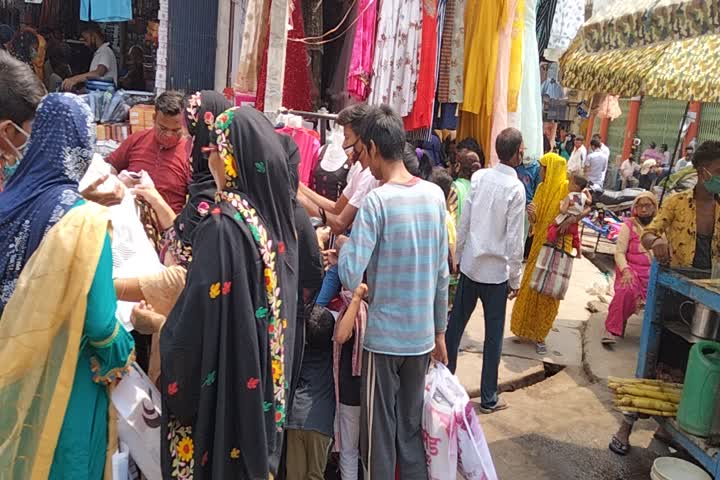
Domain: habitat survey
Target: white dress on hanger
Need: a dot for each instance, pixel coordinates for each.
(397, 55)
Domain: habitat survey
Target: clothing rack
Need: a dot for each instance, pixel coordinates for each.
(323, 117)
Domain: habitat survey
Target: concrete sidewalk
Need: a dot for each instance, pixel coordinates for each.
(560, 427)
(520, 364)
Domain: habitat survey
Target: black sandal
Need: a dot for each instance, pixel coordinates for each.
(619, 448)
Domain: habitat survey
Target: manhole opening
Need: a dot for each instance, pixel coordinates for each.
(549, 370)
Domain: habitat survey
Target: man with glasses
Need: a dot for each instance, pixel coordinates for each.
(340, 215)
(160, 151)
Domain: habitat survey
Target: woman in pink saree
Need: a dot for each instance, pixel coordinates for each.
(632, 268)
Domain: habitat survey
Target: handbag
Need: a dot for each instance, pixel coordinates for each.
(551, 276)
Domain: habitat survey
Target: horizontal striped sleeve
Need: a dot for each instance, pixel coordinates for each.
(356, 253)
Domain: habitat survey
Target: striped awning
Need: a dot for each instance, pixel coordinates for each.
(682, 69)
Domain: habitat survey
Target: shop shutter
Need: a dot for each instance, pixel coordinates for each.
(659, 121)
(709, 122)
(191, 44)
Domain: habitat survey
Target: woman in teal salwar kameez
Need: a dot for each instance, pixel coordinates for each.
(60, 342)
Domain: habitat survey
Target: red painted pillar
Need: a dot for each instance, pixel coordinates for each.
(589, 130)
(604, 127)
(694, 127)
(631, 126)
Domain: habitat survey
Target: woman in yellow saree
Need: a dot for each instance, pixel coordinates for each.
(60, 343)
(533, 314)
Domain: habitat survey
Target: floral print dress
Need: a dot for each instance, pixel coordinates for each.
(397, 55)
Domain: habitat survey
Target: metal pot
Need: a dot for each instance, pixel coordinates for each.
(705, 322)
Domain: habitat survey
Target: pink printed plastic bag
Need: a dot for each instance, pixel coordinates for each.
(454, 441)
(439, 424)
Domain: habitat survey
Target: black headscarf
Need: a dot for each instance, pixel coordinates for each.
(227, 345)
(201, 111)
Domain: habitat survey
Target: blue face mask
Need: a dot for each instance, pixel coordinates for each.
(9, 170)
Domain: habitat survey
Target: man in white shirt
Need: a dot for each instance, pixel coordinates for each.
(104, 63)
(686, 161)
(603, 148)
(340, 215)
(596, 164)
(490, 238)
(576, 164)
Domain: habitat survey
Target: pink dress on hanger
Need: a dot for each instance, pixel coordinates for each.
(358, 81)
(308, 142)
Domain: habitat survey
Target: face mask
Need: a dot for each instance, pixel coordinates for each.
(167, 141)
(645, 221)
(712, 184)
(8, 171)
(17, 153)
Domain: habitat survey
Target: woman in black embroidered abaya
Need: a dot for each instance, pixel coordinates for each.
(227, 346)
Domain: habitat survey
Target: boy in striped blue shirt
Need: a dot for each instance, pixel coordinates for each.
(399, 237)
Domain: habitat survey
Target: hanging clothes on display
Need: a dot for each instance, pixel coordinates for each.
(295, 86)
(450, 67)
(253, 45)
(106, 10)
(338, 89)
(569, 17)
(528, 117)
(550, 87)
(421, 115)
(544, 22)
(485, 19)
(361, 62)
(442, 5)
(308, 142)
(397, 51)
(516, 57)
(272, 74)
(609, 107)
(313, 22)
(500, 92)
(446, 116)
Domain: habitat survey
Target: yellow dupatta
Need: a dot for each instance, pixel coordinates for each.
(533, 314)
(40, 335)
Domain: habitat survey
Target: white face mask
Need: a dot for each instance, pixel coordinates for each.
(16, 154)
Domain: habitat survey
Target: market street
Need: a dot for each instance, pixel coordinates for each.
(559, 426)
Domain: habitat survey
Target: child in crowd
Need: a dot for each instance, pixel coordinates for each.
(573, 204)
(310, 423)
(349, 332)
(444, 180)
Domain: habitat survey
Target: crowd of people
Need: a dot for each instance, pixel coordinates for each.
(272, 340)
(50, 57)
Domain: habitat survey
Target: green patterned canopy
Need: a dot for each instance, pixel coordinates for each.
(680, 69)
(620, 24)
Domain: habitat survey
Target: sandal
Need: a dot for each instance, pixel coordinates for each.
(618, 447)
(609, 339)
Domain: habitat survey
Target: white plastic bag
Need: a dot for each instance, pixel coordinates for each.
(137, 402)
(444, 396)
(121, 463)
(474, 460)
